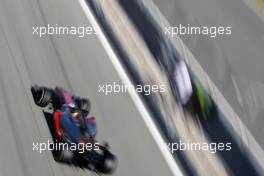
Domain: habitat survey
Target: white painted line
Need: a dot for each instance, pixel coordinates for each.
(175, 169)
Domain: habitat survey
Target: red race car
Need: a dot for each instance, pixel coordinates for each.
(73, 130)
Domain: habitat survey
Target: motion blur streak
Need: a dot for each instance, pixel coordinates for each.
(140, 58)
(144, 113)
(229, 63)
(79, 65)
(215, 127)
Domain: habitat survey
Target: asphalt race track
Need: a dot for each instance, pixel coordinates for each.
(234, 62)
(78, 64)
(215, 129)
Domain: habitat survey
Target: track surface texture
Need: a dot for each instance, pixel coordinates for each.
(77, 64)
(233, 62)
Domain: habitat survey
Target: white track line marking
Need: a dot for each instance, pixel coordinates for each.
(175, 169)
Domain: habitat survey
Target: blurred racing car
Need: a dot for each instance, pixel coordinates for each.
(189, 92)
(186, 88)
(71, 126)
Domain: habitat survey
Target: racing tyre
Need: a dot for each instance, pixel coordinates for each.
(64, 156)
(109, 165)
(41, 95)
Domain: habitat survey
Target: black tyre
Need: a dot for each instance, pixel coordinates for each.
(109, 165)
(42, 95)
(63, 155)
